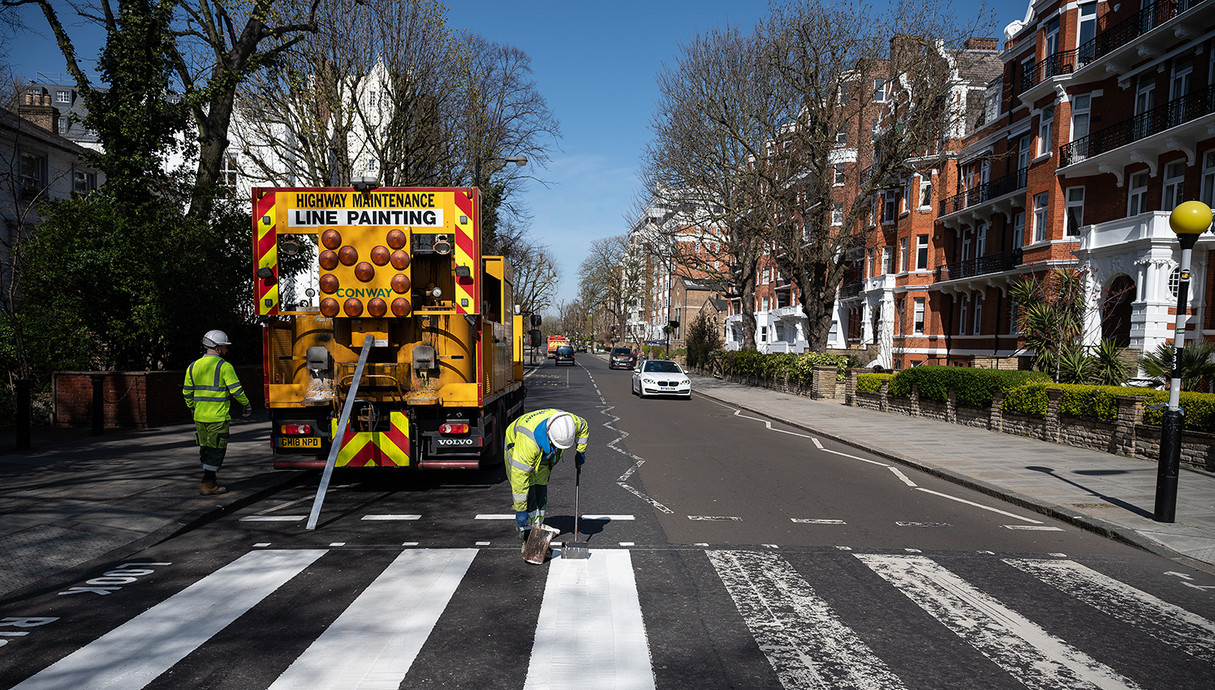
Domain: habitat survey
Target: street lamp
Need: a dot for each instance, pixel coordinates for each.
(517, 160)
(1189, 220)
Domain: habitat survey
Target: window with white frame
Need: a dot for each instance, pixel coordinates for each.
(1174, 176)
(886, 260)
(965, 309)
(1024, 146)
(841, 137)
(890, 206)
(903, 255)
(917, 319)
(765, 276)
(764, 302)
(1040, 216)
(63, 97)
(1018, 232)
(1207, 193)
(1074, 211)
(32, 175)
(981, 240)
(872, 264)
(839, 174)
(1045, 120)
(837, 213)
(1088, 30)
(1136, 196)
(1012, 317)
(763, 334)
(879, 90)
(1080, 121)
(921, 252)
(907, 195)
(926, 191)
(977, 324)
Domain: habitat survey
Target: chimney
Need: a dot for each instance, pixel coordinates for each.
(36, 109)
(981, 43)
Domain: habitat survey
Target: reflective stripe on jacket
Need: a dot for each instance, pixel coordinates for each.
(210, 381)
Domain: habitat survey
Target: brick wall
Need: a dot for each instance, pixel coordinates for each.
(134, 399)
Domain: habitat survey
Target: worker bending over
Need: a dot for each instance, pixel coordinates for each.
(534, 443)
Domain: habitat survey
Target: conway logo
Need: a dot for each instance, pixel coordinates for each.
(364, 292)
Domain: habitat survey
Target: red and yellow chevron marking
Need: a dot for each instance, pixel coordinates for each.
(265, 253)
(467, 253)
(376, 448)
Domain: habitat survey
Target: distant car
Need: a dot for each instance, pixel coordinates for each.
(564, 354)
(621, 358)
(580, 347)
(661, 377)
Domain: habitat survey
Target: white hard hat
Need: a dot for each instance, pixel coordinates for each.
(561, 430)
(215, 339)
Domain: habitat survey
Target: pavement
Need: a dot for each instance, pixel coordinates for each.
(74, 503)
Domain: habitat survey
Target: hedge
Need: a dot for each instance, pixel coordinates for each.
(775, 365)
(974, 387)
(871, 383)
(1101, 403)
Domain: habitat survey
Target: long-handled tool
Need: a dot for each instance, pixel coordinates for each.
(575, 549)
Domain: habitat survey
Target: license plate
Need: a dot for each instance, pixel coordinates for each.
(299, 443)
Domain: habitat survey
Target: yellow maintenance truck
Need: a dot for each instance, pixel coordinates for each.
(443, 375)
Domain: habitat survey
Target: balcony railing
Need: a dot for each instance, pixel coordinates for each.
(851, 290)
(985, 192)
(979, 266)
(1176, 112)
(1107, 40)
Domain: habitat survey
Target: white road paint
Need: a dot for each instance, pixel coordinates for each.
(1167, 622)
(715, 518)
(738, 413)
(366, 649)
(1016, 644)
(273, 518)
(855, 457)
(906, 523)
(609, 518)
(392, 517)
(978, 505)
(657, 506)
(495, 516)
(1034, 528)
(902, 477)
(590, 633)
(818, 521)
(806, 642)
(136, 652)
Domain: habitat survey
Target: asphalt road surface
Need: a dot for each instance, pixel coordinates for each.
(726, 551)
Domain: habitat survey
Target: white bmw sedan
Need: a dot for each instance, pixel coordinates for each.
(660, 377)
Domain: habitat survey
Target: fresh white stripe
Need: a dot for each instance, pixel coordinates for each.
(901, 476)
(495, 516)
(806, 642)
(590, 633)
(609, 518)
(647, 499)
(1167, 622)
(1034, 528)
(977, 505)
(392, 517)
(136, 652)
(273, 518)
(1016, 644)
(376, 639)
(715, 518)
(818, 521)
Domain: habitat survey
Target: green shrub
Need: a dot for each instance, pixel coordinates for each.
(775, 365)
(1029, 399)
(1199, 410)
(1101, 403)
(974, 387)
(871, 383)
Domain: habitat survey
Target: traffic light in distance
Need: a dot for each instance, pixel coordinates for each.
(536, 320)
(536, 338)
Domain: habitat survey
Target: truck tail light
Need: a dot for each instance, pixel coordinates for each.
(450, 428)
(296, 429)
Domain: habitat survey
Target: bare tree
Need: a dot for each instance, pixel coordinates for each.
(611, 278)
(830, 59)
(536, 276)
(215, 50)
(718, 109)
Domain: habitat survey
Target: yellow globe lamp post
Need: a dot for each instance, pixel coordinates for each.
(1188, 220)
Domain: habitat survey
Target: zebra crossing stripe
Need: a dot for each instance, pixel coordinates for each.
(590, 633)
(376, 639)
(136, 652)
(806, 642)
(1016, 644)
(1167, 622)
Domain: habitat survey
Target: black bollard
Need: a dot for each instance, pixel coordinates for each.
(98, 404)
(23, 413)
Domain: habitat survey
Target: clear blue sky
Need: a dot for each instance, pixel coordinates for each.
(595, 64)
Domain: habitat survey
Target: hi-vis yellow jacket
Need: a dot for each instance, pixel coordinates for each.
(209, 382)
(530, 457)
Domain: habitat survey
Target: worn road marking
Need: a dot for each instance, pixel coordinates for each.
(392, 517)
(715, 518)
(1034, 528)
(1016, 644)
(1167, 622)
(978, 505)
(806, 642)
(818, 521)
(141, 649)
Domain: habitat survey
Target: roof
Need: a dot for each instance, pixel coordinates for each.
(18, 126)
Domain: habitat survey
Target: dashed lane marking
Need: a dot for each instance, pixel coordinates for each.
(818, 521)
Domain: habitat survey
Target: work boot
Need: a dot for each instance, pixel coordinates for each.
(211, 489)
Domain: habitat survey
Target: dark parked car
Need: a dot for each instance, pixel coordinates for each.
(563, 355)
(580, 347)
(621, 358)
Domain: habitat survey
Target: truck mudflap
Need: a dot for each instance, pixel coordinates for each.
(375, 448)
